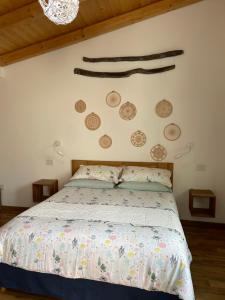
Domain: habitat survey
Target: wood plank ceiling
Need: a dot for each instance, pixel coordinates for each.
(25, 31)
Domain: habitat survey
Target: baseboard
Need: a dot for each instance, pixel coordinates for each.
(199, 224)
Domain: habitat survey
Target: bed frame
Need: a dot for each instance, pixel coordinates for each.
(159, 165)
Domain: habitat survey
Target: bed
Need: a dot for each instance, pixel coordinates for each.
(95, 244)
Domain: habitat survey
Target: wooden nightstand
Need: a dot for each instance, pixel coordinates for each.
(202, 194)
(44, 188)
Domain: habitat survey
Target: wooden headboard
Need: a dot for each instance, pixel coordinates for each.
(161, 165)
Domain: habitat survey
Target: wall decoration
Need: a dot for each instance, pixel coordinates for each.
(83, 72)
(105, 141)
(92, 121)
(172, 132)
(138, 138)
(158, 153)
(113, 99)
(164, 109)
(135, 58)
(80, 106)
(128, 111)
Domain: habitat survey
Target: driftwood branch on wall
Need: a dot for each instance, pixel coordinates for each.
(135, 58)
(122, 74)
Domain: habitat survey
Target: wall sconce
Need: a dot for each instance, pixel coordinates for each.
(58, 150)
(186, 150)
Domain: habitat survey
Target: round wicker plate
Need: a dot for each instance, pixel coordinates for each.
(158, 152)
(138, 138)
(105, 141)
(92, 121)
(80, 106)
(172, 132)
(113, 99)
(128, 111)
(164, 109)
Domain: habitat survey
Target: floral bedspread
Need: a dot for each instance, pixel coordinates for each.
(131, 238)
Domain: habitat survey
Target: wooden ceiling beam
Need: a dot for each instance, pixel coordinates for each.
(26, 12)
(94, 30)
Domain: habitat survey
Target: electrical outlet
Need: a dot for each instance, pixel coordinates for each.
(201, 167)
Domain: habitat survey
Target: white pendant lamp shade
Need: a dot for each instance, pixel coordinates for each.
(61, 12)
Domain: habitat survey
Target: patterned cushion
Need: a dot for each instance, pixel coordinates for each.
(106, 173)
(143, 174)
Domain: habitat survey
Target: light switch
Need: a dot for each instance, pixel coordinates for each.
(49, 162)
(201, 167)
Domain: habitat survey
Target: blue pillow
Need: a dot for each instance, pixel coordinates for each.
(144, 186)
(90, 183)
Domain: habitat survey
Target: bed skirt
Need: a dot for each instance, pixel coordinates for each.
(71, 289)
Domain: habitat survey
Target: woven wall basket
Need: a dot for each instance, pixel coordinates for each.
(92, 121)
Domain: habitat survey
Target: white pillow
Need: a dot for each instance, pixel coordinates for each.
(99, 172)
(144, 174)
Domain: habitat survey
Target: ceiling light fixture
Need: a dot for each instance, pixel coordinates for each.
(61, 12)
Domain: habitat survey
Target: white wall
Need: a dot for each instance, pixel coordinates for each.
(37, 99)
(2, 72)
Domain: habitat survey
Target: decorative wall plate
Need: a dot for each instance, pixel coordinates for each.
(158, 152)
(105, 141)
(164, 109)
(128, 111)
(80, 106)
(172, 132)
(92, 121)
(138, 138)
(113, 99)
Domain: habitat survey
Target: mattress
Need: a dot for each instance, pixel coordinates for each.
(124, 237)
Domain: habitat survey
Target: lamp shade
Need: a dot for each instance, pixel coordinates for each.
(61, 12)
